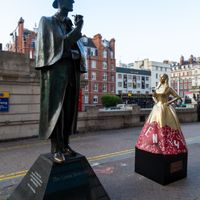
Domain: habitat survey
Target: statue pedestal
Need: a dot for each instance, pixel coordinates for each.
(72, 180)
(163, 169)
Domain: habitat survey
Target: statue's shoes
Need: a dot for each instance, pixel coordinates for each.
(67, 151)
(58, 158)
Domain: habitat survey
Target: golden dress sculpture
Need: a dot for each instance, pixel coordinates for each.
(161, 133)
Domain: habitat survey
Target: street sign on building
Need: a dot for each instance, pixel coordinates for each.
(4, 101)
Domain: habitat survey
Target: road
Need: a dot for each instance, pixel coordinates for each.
(111, 154)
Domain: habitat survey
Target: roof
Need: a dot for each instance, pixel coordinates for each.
(89, 43)
(133, 71)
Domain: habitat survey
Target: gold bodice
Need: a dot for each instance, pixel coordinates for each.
(162, 94)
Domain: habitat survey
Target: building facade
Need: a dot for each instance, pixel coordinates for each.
(100, 54)
(23, 40)
(185, 77)
(156, 68)
(132, 81)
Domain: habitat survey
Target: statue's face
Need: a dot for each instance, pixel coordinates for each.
(66, 4)
(163, 79)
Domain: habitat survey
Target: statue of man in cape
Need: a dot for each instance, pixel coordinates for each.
(60, 58)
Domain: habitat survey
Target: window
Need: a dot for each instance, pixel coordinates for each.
(119, 84)
(130, 85)
(112, 89)
(93, 64)
(147, 78)
(111, 55)
(93, 52)
(130, 77)
(95, 99)
(113, 78)
(95, 87)
(156, 75)
(104, 88)
(143, 82)
(86, 88)
(138, 78)
(105, 76)
(104, 54)
(156, 84)
(85, 98)
(112, 67)
(105, 65)
(119, 76)
(86, 76)
(147, 85)
(138, 85)
(93, 75)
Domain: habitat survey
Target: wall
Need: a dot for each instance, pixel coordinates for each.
(21, 80)
(93, 120)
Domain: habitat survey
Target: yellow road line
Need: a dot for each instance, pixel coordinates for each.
(91, 159)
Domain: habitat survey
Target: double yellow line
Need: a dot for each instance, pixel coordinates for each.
(90, 159)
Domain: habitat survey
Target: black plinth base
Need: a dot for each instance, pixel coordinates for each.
(72, 180)
(163, 169)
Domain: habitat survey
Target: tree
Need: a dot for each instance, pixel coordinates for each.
(110, 100)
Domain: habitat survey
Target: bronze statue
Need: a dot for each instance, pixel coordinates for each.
(162, 133)
(60, 58)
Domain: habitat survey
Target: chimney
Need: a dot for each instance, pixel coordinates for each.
(112, 44)
(182, 60)
(20, 42)
(97, 39)
(191, 60)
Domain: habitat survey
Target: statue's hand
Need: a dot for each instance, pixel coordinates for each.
(74, 35)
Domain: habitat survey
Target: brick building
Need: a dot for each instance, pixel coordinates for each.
(23, 40)
(101, 63)
(100, 60)
(185, 76)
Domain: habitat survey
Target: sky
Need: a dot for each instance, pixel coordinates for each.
(155, 29)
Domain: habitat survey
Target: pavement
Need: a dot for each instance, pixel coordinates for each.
(111, 154)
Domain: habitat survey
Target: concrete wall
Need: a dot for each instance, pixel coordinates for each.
(93, 120)
(21, 80)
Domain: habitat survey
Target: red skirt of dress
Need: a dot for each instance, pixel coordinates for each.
(161, 140)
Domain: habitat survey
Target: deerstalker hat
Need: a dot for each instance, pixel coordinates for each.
(55, 4)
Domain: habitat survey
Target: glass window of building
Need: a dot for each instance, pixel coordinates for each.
(119, 76)
(95, 87)
(112, 67)
(147, 85)
(95, 99)
(130, 76)
(138, 78)
(111, 55)
(119, 84)
(92, 51)
(93, 64)
(147, 78)
(157, 75)
(86, 88)
(93, 75)
(130, 85)
(104, 54)
(112, 89)
(105, 65)
(138, 85)
(105, 76)
(86, 76)
(104, 87)
(113, 78)
(86, 99)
